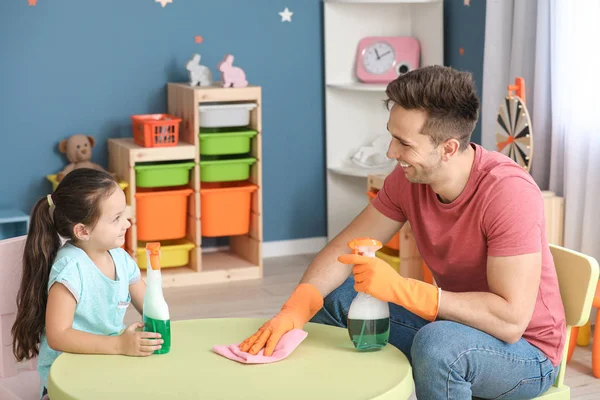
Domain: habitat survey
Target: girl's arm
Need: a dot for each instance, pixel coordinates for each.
(60, 311)
(137, 291)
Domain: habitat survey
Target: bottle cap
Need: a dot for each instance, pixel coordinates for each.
(154, 249)
(360, 245)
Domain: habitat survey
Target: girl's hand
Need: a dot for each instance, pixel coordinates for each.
(137, 343)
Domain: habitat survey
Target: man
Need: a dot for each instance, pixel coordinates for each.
(495, 325)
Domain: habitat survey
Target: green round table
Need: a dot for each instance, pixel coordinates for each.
(324, 366)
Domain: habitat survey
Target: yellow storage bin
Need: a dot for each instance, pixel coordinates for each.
(173, 253)
(390, 256)
(52, 179)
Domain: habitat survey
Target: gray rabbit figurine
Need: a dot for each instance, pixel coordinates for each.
(199, 74)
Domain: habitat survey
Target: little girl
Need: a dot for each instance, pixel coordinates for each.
(73, 298)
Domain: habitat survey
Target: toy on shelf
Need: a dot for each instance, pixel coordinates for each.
(155, 130)
(199, 74)
(231, 76)
(78, 149)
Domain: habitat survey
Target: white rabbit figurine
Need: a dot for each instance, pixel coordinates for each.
(230, 75)
(199, 74)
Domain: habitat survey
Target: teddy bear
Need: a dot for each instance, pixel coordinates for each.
(78, 149)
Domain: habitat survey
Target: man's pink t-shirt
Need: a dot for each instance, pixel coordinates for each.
(499, 213)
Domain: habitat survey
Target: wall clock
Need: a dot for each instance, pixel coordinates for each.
(381, 59)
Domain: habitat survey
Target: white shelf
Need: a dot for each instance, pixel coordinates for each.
(382, 1)
(358, 86)
(357, 171)
(355, 112)
(181, 151)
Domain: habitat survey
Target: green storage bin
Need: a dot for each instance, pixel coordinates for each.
(222, 141)
(161, 174)
(235, 169)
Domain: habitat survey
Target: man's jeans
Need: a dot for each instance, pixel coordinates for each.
(451, 360)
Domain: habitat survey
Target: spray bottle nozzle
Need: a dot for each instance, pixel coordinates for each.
(153, 249)
(364, 245)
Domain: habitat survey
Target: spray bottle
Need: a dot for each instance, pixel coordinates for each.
(368, 317)
(156, 311)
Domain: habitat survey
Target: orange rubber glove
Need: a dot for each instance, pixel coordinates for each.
(377, 278)
(302, 305)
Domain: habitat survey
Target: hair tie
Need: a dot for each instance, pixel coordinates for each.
(50, 202)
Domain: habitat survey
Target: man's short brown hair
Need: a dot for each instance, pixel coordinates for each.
(447, 95)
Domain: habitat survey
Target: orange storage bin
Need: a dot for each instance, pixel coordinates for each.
(394, 242)
(225, 208)
(161, 214)
(155, 130)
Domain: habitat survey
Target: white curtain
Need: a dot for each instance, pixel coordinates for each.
(575, 149)
(553, 45)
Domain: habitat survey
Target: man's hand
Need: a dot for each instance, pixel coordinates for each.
(304, 302)
(269, 334)
(377, 278)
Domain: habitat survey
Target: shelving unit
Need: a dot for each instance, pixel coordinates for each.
(243, 259)
(355, 112)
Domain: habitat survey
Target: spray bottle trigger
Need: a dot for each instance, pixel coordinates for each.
(154, 251)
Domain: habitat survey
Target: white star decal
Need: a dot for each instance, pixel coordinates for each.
(286, 15)
(163, 2)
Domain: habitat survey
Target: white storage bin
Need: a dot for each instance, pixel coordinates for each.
(225, 115)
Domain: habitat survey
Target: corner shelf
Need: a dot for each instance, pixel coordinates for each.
(358, 86)
(355, 112)
(382, 1)
(243, 259)
(181, 151)
(350, 170)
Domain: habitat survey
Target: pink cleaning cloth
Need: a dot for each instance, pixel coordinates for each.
(284, 348)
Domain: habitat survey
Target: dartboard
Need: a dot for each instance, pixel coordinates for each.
(514, 139)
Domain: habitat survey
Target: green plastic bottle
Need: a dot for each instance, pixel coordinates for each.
(156, 310)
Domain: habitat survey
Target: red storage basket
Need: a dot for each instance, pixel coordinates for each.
(155, 130)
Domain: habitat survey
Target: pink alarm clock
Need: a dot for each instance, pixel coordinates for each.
(381, 59)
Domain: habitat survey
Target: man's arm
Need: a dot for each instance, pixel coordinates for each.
(325, 272)
(505, 312)
(323, 275)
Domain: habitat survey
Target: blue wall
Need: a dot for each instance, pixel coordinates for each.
(75, 66)
(464, 27)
